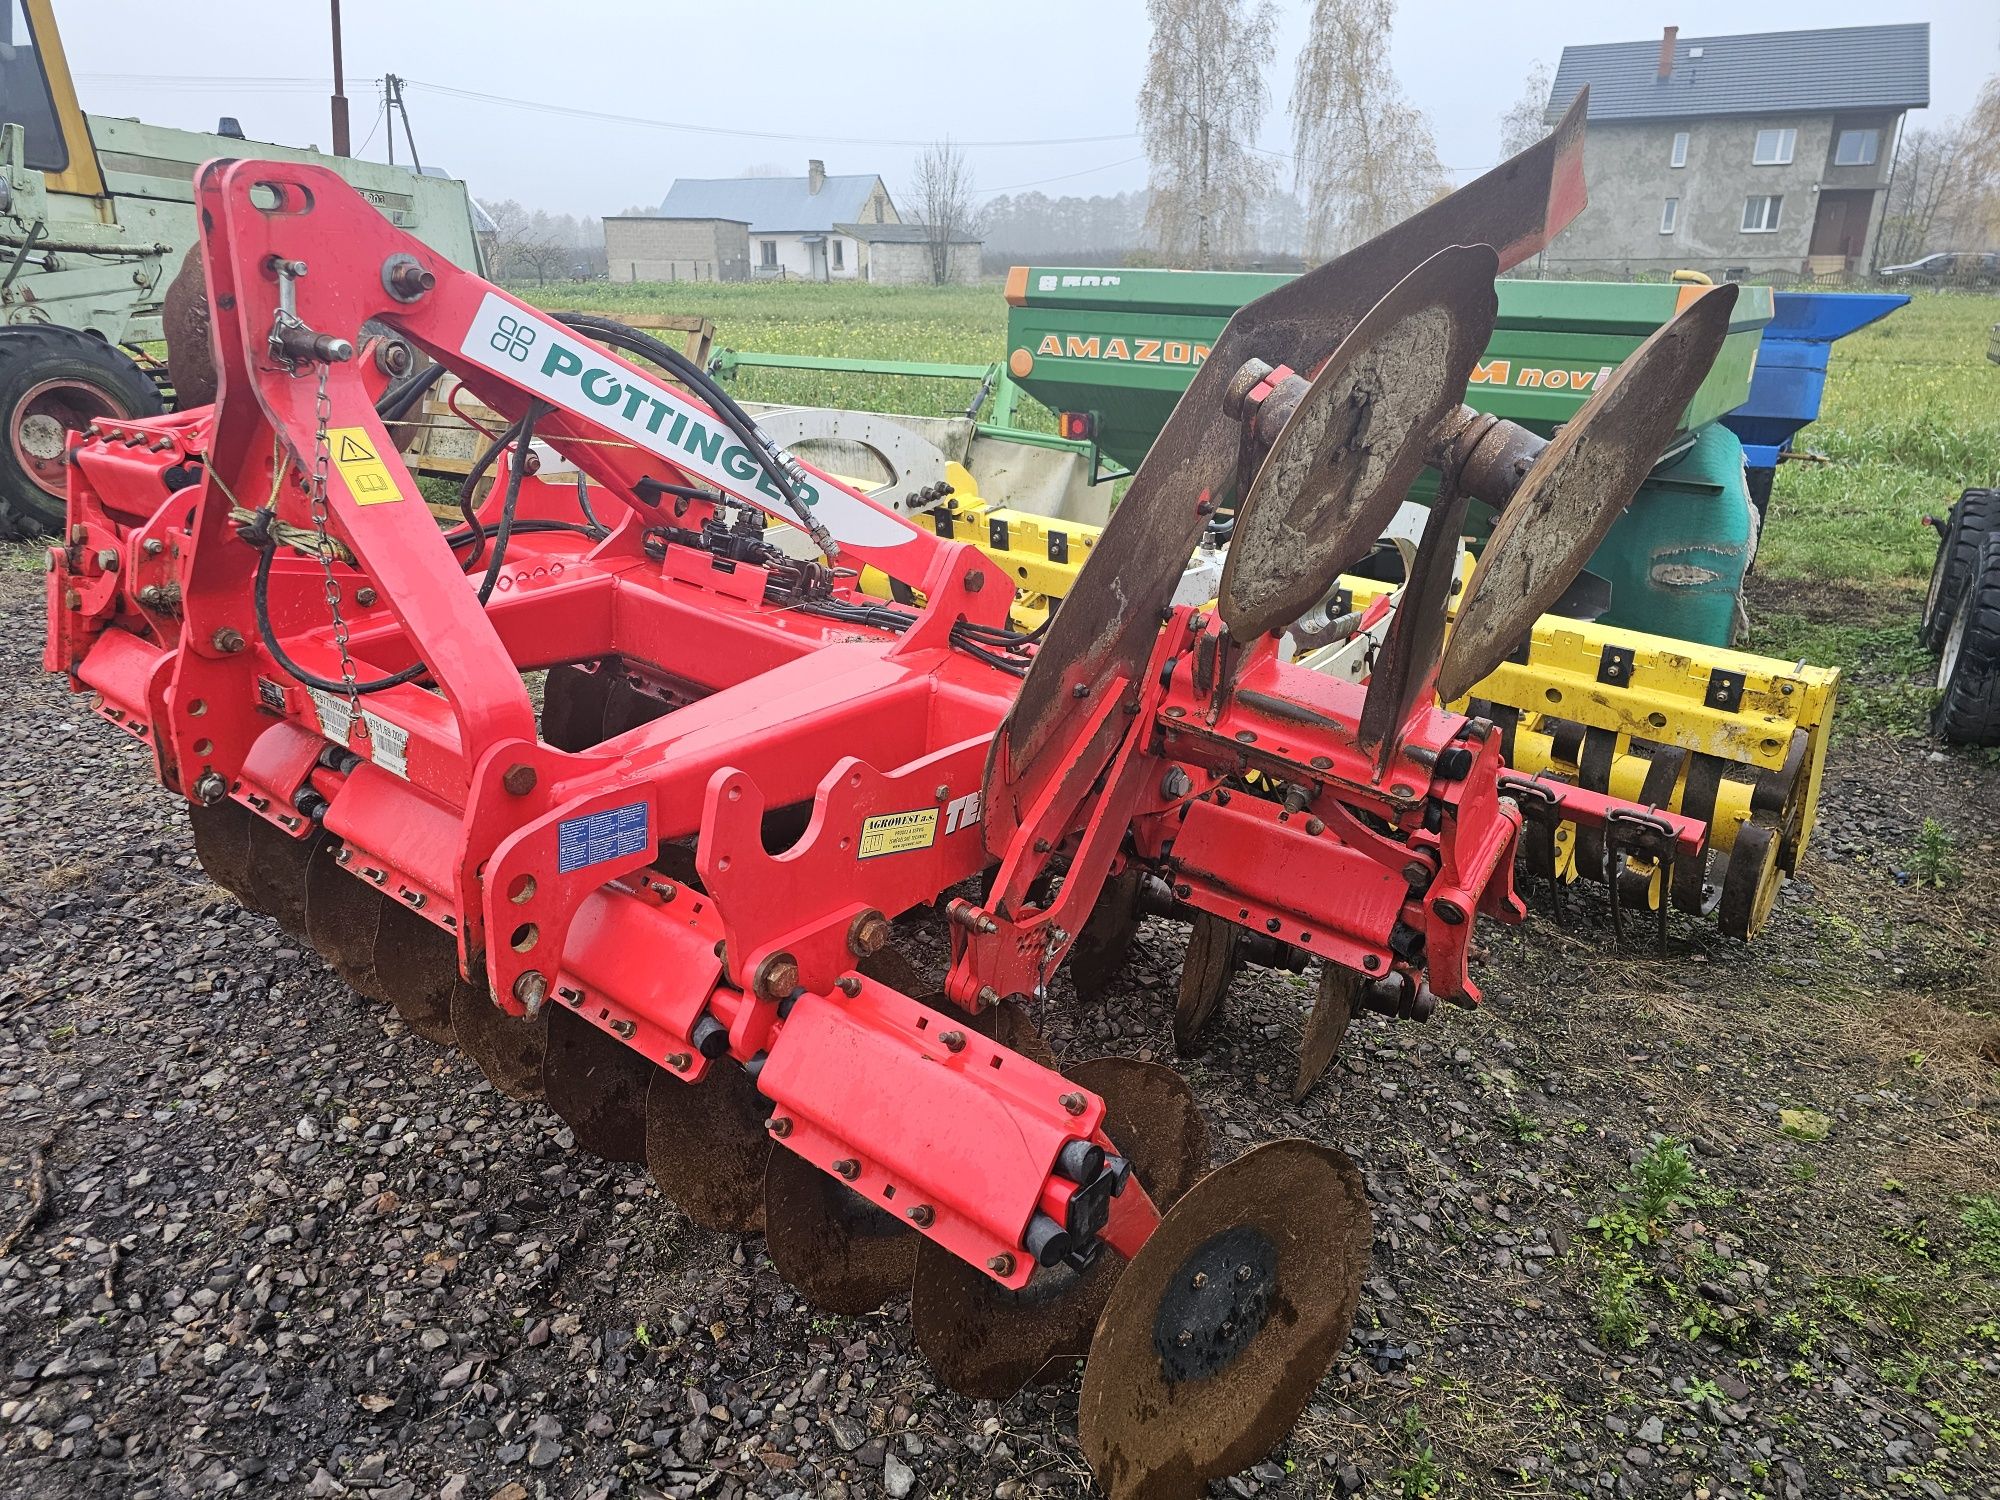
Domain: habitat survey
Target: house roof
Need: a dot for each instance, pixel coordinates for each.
(675, 218)
(900, 234)
(1763, 73)
(770, 204)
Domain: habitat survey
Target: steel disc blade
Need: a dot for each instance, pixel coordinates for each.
(842, 1253)
(222, 845)
(1101, 948)
(1357, 440)
(1107, 624)
(1579, 486)
(1326, 1027)
(597, 1085)
(416, 965)
(573, 707)
(343, 916)
(1223, 1324)
(887, 966)
(276, 882)
(508, 1049)
(986, 1341)
(706, 1146)
(1206, 970)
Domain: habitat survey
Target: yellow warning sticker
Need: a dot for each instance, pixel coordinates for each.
(368, 478)
(899, 833)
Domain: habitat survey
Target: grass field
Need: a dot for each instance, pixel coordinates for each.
(950, 324)
(1911, 415)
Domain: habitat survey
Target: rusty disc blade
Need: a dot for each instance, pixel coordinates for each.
(222, 844)
(1009, 1024)
(1107, 625)
(1205, 974)
(840, 1251)
(276, 882)
(1326, 1027)
(597, 1085)
(1579, 486)
(508, 1049)
(986, 1341)
(188, 327)
(1356, 441)
(1101, 948)
(343, 916)
(573, 707)
(1223, 1324)
(706, 1146)
(416, 965)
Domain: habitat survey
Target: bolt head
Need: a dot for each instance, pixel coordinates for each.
(519, 780)
(1073, 1103)
(1001, 1265)
(107, 559)
(777, 976)
(228, 640)
(952, 1041)
(868, 933)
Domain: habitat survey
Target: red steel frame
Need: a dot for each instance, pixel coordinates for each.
(458, 809)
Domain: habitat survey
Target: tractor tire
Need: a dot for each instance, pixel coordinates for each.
(54, 381)
(1973, 519)
(1968, 712)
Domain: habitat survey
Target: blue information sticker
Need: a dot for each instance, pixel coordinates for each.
(611, 834)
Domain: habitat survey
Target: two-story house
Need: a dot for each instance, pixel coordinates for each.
(1738, 155)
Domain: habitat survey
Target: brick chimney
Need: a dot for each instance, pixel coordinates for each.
(1667, 52)
(815, 177)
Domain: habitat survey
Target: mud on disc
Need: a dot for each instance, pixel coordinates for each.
(987, 1341)
(707, 1148)
(222, 845)
(416, 965)
(276, 879)
(343, 915)
(1223, 1324)
(840, 1251)
(597, 1085)
(508, 1049)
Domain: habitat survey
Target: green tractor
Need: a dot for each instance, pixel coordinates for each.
(96, 218)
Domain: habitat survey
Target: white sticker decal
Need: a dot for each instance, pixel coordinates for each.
(388, 744)
(335, 721)
(544, 357)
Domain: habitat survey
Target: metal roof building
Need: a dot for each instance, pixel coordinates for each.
(779, 205)
(1762, 73)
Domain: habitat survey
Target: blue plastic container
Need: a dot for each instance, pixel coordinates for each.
(1790, 378)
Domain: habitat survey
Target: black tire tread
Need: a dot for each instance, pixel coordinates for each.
(1968, 713)
(25, 511)
(1973, 518)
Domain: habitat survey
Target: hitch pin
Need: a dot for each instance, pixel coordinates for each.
(291, 340)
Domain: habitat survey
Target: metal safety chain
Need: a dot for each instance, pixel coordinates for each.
(316, 493)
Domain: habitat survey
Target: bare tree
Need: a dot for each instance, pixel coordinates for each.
(1366, 159)
(1200, 109)
(1522, 125)
(941, 192)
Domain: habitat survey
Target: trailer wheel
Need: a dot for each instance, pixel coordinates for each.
(55, 381)
(1968, 713)
(1975, 517)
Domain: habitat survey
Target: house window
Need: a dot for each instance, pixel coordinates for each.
(1774, 148)
(1670, 211)
(1680, 156)
(838, 263)
(1760, 214)
(767, 251)
(1856, 148)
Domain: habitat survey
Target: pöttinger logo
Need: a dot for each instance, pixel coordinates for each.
(513, 338)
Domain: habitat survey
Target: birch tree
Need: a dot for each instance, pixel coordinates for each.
(1365, 158)
(1200, 109)
(1521, 126)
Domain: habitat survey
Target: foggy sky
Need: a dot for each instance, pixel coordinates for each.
(829, 81)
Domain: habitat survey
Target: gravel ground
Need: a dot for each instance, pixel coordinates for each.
(270, 1243)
